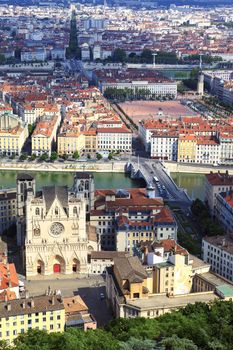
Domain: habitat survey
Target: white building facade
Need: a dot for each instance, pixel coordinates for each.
(218, 252)
(164, 146)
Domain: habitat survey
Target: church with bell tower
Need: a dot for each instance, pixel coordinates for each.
(57, 239)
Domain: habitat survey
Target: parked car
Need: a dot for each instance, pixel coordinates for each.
(102, 296)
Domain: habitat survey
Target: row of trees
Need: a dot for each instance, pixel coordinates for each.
(196, 327)
(120, 55)
(128, 94)
(204, 219)
(207, 59)
(73, 51)
(161, 57)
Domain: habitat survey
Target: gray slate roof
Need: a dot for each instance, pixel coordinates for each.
(130, 268)
(51, 192)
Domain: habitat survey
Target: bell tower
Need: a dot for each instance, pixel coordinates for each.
(25, 183)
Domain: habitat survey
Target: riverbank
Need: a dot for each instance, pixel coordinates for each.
(112, 167)
(105, 166)
(174, 167)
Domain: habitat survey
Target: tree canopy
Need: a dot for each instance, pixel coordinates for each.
(196, 327)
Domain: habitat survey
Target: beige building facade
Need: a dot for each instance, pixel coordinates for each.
(13, 134)
(56, 238)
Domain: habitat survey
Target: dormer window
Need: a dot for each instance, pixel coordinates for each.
(75, 211)
(37, 211)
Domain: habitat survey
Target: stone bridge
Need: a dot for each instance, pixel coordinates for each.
(156, 175)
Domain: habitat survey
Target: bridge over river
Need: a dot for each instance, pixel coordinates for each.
(156, 175)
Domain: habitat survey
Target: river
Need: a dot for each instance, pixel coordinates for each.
(102, 180)
(194, 183)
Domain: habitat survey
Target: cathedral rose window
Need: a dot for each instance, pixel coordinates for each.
(56, 228)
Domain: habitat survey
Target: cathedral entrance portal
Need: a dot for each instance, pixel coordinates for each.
(76, 265)
(56, 268)
(40, 267)
(58, 265)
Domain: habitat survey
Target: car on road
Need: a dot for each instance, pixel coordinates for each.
(102, 296)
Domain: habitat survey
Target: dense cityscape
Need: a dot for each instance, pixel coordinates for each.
(116, 167)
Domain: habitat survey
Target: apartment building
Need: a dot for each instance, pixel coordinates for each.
(100, 260)
(44, 136)
(190, 140)
(34, 54)
(224, 210)
(77, 314)
(114, 139)
(173, 276)
(207, 151)
(132, 287)
(215, 183)
(226, 142)
(135, 80)
(9, 282)
(32, 112)
(8, 209)
(41, 312)
(218, 252)
(125, 217)
(147, 224)
(164, 145)
(187, 148)
(13, 134)
(69, 142)
(220, 84)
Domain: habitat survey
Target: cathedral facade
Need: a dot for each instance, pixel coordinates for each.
(57, 239)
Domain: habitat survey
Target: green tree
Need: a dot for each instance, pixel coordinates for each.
(175, 343)
(33, 156)
(119, 55)
(4, 345)
(65, 156)
(146, 56)
(99, 156)
(138, 344)
(30, 129)
(75, 155)
(110, 156)
(53, 156)
(44, 157)
(23, 156)
(2, 59)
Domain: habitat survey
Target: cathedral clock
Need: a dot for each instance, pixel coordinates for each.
(56, 228)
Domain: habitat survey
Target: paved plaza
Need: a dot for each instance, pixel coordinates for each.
(88, 288)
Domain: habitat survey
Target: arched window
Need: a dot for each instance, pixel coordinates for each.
(86, 185)
(36, 232)
(56, 211)
(75, 211)
(37, 211)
